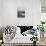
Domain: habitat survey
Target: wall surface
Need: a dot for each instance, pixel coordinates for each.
(8, 12)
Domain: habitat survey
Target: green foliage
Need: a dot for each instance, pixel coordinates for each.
(41, 26)
(34, 38)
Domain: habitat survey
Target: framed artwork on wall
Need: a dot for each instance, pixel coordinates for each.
(20, 12)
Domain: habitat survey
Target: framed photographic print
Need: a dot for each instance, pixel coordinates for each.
(21, 12)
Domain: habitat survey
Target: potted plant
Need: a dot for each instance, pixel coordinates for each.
(41, 27)
(34, 39)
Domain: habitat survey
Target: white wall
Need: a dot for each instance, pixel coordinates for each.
(1, 18)
(9, 12)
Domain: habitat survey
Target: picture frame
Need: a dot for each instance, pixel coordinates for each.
(20, 12)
